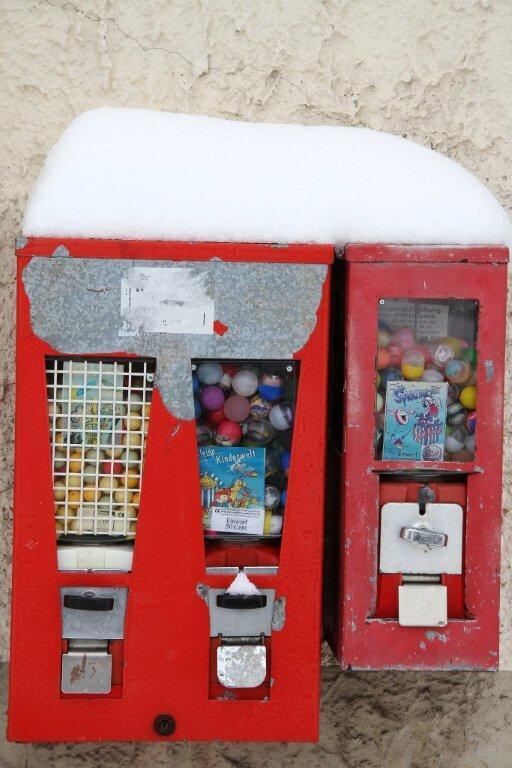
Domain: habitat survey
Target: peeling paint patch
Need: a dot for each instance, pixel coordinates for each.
(432, 635)
(61, 252)
(269, 309)
(489, 369)
(279, 614)
(202, 592)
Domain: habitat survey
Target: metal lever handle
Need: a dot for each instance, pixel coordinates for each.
(88, 602)
(241, 601)
(424, 536)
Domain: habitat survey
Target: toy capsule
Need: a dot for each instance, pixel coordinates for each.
(228, 433)
(413, 364)
(468, 397)
(457, 371)
(403, 338)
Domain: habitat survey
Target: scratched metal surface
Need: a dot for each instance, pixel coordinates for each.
(270, 311)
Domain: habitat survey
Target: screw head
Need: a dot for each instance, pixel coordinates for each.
(164, 725)
(150, 377)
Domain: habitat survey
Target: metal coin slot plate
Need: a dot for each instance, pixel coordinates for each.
(94, 625)
(241, 666)
(230, 622)
(422, 605)
(87, 666)
(436, 549)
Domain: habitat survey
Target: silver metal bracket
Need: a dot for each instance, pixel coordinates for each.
(87, 667)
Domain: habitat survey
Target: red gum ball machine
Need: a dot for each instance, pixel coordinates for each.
(419, 444)
(168, 520)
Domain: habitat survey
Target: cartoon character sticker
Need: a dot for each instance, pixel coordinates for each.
(415, 419)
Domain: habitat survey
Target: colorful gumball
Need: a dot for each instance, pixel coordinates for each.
(455, 439)
(383, 358)
(470, 443)
(426, 352)
(111, 468)
(453, 343)
(413, 364)
(403, 338)
(281, 416)
(432, 375)
(470, 355)
(284, 496)
(457, 371)
(471, 422)
(245, 382)
(209, 372)
(272, 497)
(456, 414)
(379, 402)
(390, 374)
(226, 379)
(257, 433)
(215, 417)
(237, 408)
(285, 462)
(196, 384)
(212, 398)
(441, 354)
(228, 433)
(271, 386)
(204, 434)
(395, 355)
(453, 393)
(197, 408)
(468, 397)
(259, 407)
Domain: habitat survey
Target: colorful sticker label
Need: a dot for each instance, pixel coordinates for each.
(415, 419)
(232, 482)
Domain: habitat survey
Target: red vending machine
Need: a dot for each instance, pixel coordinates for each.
(168, 522)
(421, 457)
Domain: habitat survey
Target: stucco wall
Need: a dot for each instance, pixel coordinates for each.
(436, 71)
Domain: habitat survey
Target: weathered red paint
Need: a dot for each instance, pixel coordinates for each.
(181, 251)
(363, 641)
(167, 644)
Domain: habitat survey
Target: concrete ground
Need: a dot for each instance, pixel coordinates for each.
(368, 720)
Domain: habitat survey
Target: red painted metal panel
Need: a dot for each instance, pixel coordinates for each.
(180, 251)
(370, 643)
(408, 254)
(166, 644)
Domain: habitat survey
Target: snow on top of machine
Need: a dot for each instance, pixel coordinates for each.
(241, 585)
(142, 174)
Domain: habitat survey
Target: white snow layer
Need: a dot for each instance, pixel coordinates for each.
(241, 585)
(141, 174)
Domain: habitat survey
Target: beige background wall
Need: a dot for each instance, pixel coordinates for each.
(436, 71)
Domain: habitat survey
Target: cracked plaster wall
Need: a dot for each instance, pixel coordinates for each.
(436, 71)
